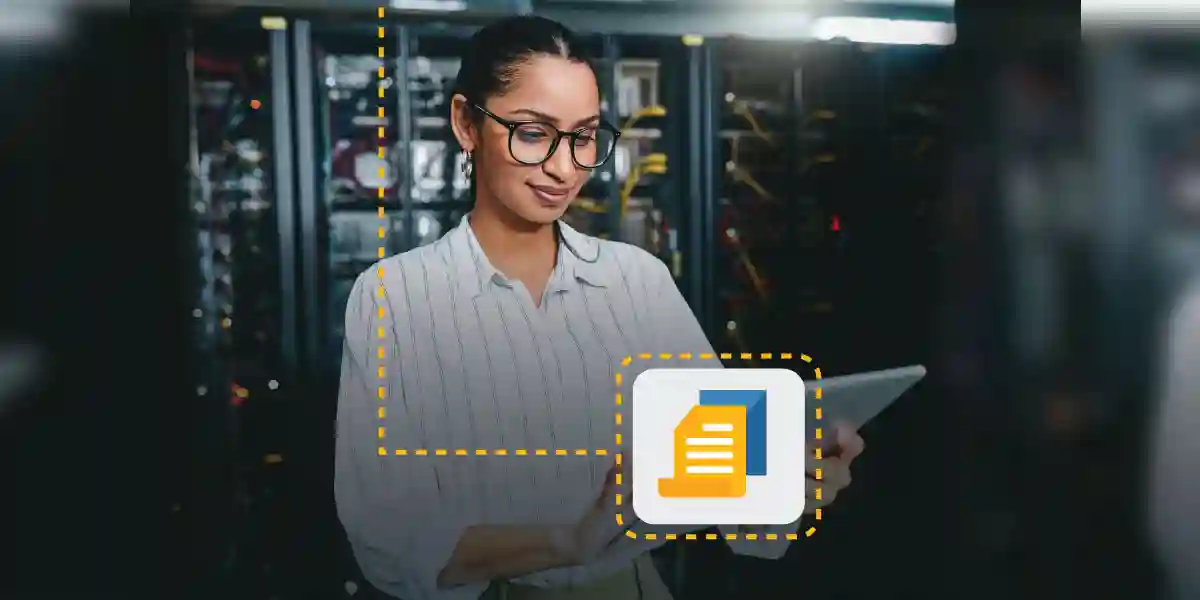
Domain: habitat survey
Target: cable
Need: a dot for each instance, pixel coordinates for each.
(649, 111)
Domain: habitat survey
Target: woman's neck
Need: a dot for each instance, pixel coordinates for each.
(516, 247)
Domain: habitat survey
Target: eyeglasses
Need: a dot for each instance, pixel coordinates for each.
(533, 143)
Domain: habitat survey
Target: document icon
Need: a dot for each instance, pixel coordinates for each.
(705, 453)
(718, 444)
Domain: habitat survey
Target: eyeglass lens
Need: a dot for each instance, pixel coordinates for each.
(531, 143)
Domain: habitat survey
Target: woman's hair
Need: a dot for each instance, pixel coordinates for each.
(495, 53)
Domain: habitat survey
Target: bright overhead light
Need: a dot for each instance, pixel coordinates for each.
(884, 31)
(430, 5)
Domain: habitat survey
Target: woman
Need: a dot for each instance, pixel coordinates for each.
(504, 335)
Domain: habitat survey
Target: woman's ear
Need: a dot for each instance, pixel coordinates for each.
(461, 122)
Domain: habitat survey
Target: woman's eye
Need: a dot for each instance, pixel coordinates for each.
(531, 136)
(583, 139)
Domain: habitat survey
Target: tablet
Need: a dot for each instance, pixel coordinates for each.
(856, 399)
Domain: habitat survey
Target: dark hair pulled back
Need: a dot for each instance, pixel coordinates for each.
(495, 53)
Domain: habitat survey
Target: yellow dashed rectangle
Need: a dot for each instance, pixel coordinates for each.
(540, 453)
(817, 454)
(381, 90)
(818, 393)
(618, 478)
(731, 536)
(819, 434)
(726, 355)
(440, 452)
(500, 452)
(380, 312)
(383, 451)
(747, 356)
(785, 355)
(382, 392)
(581, 452)
(602, 452)
(618, 497)
(618, 418)
(618, 459)
(382, 232)
(382, 151)
(618, 439)
(685, 356)
(481, 452)
(381, 16)
(706, 356)
(625, 363)
(810, 531)
(382, 412)
(651, 536)
(765, 356)
(689, 536)
(620, 519)
(382, 172)
(382, 253)
(521, 452)
(619, 398)
(401, 452)
(460, 452)
(560, 452)
(380, 213)
(818, 413)
(670, 536)
(381, 47)
(382, 372)
(645, 356)
(618, 379)
(752, 536)
(710, 536)
(806, 358)
(818, 372)
(817, 474)
(421, 452)
(381, 33)
(793, 536)
(818, 514)
(381, 134)
(817, 494)
(381, 352)
(772, 536)
(665, 356)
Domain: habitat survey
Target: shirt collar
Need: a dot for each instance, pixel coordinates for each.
(580, 258)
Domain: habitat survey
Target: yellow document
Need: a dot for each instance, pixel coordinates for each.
(710, 454)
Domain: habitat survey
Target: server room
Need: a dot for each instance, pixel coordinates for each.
(864, 184)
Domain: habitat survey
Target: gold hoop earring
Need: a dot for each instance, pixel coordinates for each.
(468, 165)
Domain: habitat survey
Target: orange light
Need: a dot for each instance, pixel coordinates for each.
(255, 104)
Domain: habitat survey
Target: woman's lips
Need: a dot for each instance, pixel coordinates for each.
(550, 195)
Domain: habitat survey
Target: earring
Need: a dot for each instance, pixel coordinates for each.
(468, 165)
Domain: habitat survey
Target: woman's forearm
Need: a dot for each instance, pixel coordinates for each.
(488, 552)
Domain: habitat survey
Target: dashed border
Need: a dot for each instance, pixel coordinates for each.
(620, 516)
(382, 333)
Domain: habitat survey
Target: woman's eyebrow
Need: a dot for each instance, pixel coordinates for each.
(541, 116)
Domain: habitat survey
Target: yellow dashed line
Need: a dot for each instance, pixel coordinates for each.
(619, 401)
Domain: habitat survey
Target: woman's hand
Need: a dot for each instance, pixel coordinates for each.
(597, 528)
(835, 469)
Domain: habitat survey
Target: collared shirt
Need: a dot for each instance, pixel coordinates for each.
(470, 364)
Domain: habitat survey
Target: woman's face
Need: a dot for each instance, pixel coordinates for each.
(548, 89)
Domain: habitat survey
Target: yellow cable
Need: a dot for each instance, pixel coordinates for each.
(649, 111)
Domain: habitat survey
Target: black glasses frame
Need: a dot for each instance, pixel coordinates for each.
(574, 135)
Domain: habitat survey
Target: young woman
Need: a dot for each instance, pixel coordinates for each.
(504, 336)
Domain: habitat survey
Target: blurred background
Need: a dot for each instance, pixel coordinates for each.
(979, 188)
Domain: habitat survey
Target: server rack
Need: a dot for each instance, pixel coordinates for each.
(805, 245)
(242, 216)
